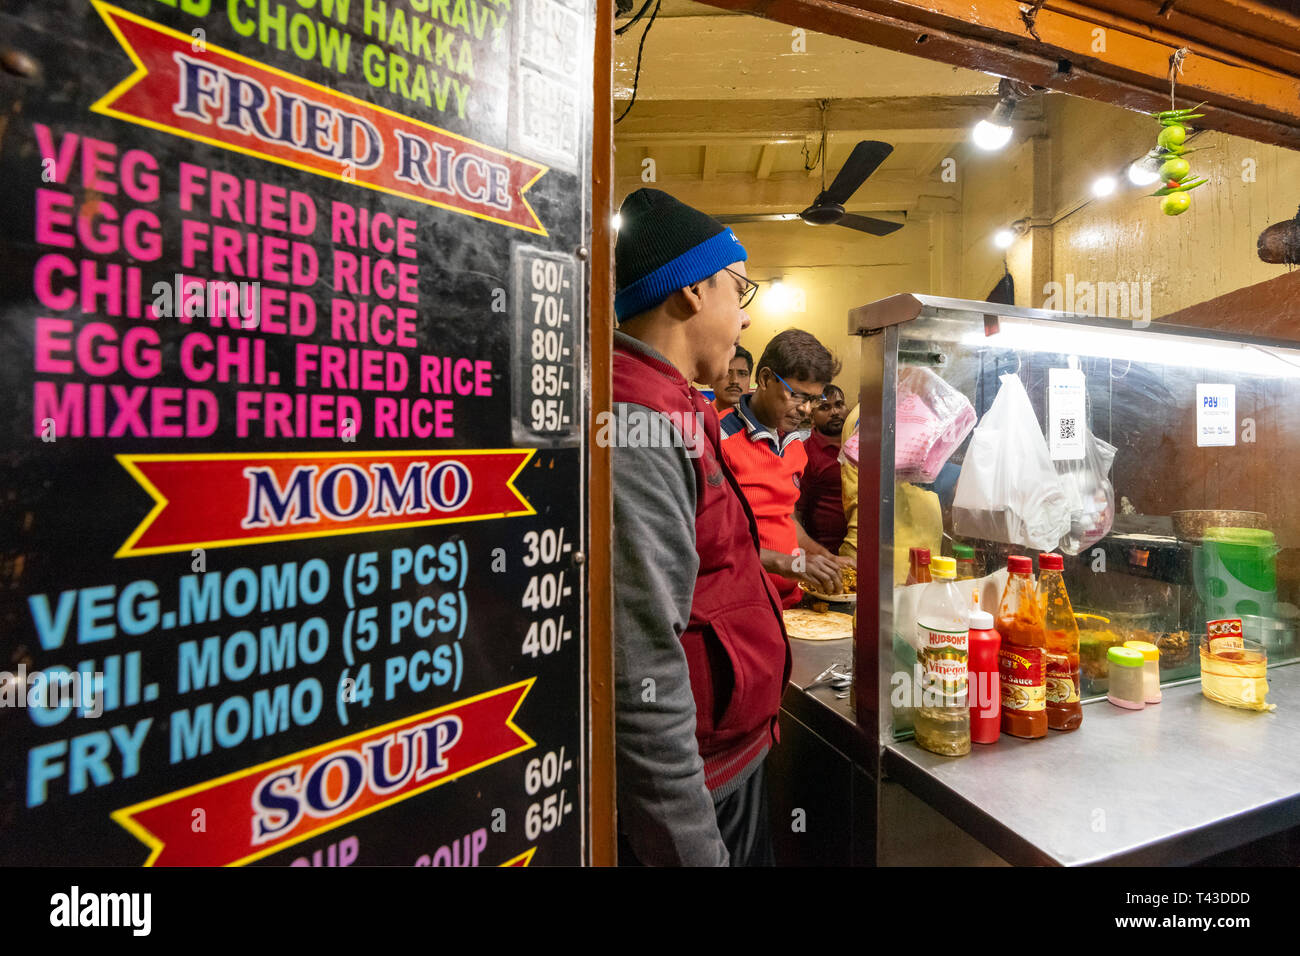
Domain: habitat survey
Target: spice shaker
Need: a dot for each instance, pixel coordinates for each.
(1125, 678)
(1150, 669)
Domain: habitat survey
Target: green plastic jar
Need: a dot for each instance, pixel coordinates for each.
(1235, 571)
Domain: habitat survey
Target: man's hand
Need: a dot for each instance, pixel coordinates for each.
(822, 572)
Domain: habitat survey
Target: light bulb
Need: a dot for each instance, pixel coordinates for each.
(778, 297)
(617, 220)
(1003, 238)
(990, 136)
(1140, 173)
(1104, 186)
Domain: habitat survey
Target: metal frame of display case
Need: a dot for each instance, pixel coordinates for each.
(878, 324)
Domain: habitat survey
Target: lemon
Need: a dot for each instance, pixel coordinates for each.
(1172, 136)
(1175, 169)
(1175, 204)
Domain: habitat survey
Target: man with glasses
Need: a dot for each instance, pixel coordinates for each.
(700, 653)
(762, 444)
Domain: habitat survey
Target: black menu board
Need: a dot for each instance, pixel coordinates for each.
(292, 516)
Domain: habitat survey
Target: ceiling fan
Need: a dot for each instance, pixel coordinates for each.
(828, 208)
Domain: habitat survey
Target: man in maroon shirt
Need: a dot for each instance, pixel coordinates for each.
(820, 509)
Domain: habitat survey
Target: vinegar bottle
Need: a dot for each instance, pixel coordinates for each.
(942, 723)
(1021, 658)
(1064, 712)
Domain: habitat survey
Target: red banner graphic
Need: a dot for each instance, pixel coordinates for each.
(218, 97)
(226, 500)
(265, 809)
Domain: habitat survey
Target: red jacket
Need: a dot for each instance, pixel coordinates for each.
(735, 641)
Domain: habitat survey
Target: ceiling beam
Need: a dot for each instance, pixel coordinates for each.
(730, 193)
(907, 119)
(751, 58)
(709, 163)
(933, 156)
(1056, 45)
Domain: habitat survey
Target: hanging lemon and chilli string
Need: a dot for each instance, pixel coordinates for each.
(1175, 170)
(1171, 149)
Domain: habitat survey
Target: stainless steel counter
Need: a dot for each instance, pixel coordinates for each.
(1169, 785)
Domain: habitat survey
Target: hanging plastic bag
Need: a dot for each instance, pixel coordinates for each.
(1009, 490)
(1090, 493)
(933, 420)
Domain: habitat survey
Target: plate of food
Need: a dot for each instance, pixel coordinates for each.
(809, 625)
(848, 592)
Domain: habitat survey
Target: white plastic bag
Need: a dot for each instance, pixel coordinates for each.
(1090, 493)
(1009, 490)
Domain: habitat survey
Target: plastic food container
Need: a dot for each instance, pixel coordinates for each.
(1236, 676)
(1150, 669)
(1096, 636)
(1126, 668)
(1235, 572)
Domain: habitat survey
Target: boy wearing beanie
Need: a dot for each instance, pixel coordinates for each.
(700, 652)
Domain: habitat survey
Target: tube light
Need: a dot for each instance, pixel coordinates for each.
(1134, 346)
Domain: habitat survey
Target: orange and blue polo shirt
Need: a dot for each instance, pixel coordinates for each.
(769, 466)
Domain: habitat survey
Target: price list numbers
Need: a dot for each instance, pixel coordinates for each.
(547, 811)
(550, 635)
(547, 347)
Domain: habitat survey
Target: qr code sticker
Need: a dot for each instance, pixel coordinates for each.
(1067, 428)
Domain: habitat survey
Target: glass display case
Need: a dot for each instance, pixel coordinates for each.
(1157, 459)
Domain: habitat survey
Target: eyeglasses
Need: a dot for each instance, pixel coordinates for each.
(800, 398)
(749, 290)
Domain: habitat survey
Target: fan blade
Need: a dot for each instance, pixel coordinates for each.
(756, 217)
(877, 227)
(862, 162)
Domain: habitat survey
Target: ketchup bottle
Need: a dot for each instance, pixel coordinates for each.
(982, 675)
(1022, 656)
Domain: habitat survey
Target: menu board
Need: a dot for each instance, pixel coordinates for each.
(292, 508)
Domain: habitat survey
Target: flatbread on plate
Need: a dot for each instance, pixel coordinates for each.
(832, 598)
(808, 625)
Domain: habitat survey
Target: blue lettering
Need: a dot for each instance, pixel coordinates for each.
(354, 775)
(276, 811)
(268, 504)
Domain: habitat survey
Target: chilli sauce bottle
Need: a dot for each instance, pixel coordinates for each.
(918, 570)
(1064, 712)
(982, 679)
(1021, 658)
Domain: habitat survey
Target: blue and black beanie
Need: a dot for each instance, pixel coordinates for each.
(665, 245)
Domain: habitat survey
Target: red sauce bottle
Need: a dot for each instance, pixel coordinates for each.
(919, 566)
(1022, 659)
(1064, 711)
(983, 680)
